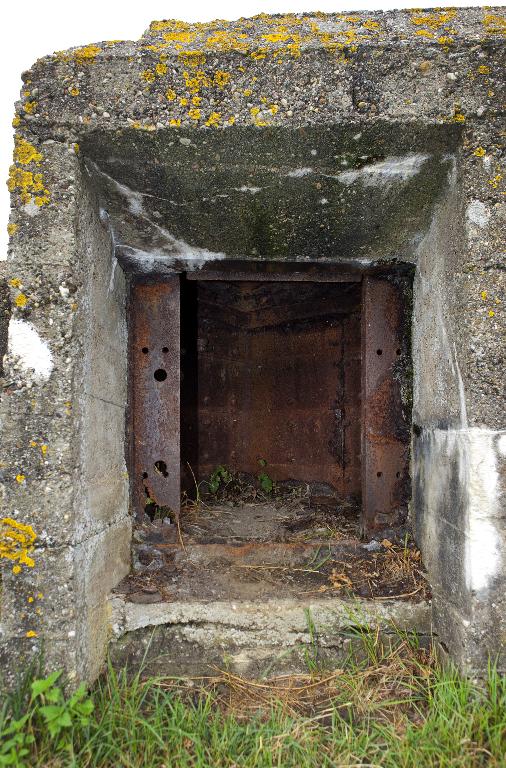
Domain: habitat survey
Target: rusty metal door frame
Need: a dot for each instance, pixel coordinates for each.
(155, 394)
(385, 429)
(155, 400)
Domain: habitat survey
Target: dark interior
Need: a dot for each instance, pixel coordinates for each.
(271, 377)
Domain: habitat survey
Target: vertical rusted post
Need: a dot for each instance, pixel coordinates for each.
(385, 432)
(155, 395)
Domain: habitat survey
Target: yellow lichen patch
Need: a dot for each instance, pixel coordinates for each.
(16, 120)
(74, 91)
(194, 82)
(15, 282)
(221, 78)
(457, 116)
(194, 114)
(25, 153)
(480, 152)
(17, 542)
(31, 633)
(20, 479)
(495, 181)
(259, 54)
(274, 109)
(213, 119)
(170, 95)
(192, 59)
(484, 295)
(424, 33)
(483, 70)
(183, 101)
(494, 24)
(227, 40)
(43, 449)
(30, 106)
(87, 54)
(491, 313)
(279, 37)
(21, 301)
(179, 37)
(196, 101)
(174, 122)
(158, 26)
(161, 69)
(373, 26)
(445, 40)
(28, 184)
(148, 75)
(433, 20)
(12, 229)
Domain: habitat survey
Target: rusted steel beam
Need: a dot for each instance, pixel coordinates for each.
(155, 393)
(385, 430)
(320, 275)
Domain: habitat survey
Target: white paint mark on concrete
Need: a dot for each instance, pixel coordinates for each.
(28, 350)
(392, 169)
(473, 452)
(477, 213)
(483, 541)
(31, 209)
(133, 198)
(113, 272)
(172, 250)
(299, 173)
(501, 445)
(251, 190)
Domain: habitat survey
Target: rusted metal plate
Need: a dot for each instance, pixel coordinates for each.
(273, 367)
(155, 393)
(385, 428)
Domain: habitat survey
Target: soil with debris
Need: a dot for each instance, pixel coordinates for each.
(282, 519)
(263, 549)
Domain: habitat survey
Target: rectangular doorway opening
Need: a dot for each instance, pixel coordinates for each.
(271, 406)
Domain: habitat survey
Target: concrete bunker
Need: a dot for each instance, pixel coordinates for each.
(154, 259)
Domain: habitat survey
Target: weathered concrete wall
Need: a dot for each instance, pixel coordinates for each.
(202, 99)
(63, 426)
(459, 440)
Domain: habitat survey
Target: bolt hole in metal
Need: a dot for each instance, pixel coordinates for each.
(397, 474)
(160, 374)
(398, 351)
(161, 467)
(165, 350)
(379, 474)
(379, 351)
(145, 350)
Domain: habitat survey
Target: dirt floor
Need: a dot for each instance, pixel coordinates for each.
(261, 549)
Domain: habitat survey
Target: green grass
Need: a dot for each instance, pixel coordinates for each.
(386, 707)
